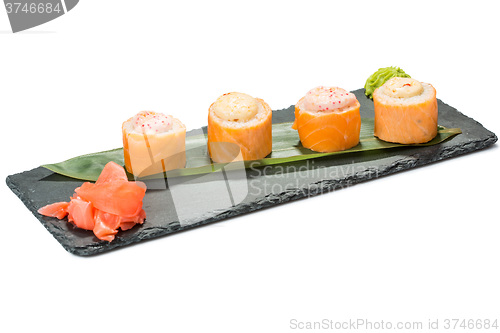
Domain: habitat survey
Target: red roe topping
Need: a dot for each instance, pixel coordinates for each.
(150, 122)
(328, 98)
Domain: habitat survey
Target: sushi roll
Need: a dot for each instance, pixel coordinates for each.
(239, 128)
(406, 111)
(153, 143)
(328, 119)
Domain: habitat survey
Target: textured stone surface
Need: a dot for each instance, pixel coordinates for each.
(266, 186)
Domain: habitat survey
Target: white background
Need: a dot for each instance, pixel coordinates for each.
(418, 245)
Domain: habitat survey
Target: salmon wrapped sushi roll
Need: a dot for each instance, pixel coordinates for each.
(406, 111)
(153, 143)
(239, 128)
(328, 119)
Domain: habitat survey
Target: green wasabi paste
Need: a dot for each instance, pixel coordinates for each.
(380, 77)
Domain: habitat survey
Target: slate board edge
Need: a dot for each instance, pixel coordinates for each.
(324, 186)
(329, 186)
(147, 233)
(492, 136)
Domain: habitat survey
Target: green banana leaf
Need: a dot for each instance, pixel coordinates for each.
(286, 148)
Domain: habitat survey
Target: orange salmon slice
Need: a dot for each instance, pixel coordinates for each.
(328, 131)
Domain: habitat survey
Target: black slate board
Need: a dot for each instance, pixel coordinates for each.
(181, 203)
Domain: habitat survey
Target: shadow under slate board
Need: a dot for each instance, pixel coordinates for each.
(181, 203)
